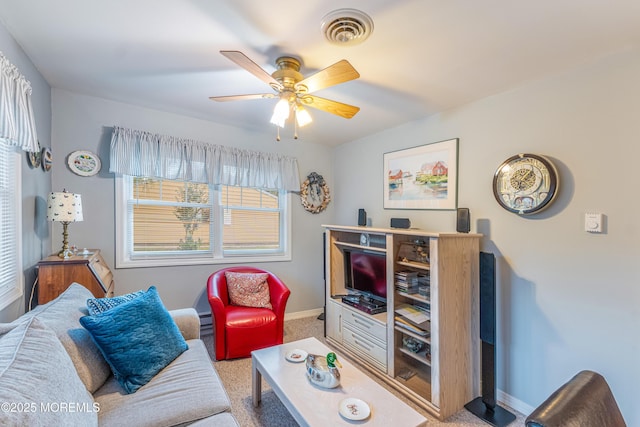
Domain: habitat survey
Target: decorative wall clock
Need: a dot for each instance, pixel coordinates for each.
(525, 183)
(314, 193)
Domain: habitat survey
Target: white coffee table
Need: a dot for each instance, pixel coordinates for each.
(311, 405)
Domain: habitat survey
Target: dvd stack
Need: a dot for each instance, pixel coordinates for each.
(407, 282)
(424, 286)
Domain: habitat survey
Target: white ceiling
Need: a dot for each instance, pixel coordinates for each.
(424, 56)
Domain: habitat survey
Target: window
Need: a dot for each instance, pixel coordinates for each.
(167, 222)
(11, 279)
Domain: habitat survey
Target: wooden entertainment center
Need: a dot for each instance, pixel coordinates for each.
(427, 343)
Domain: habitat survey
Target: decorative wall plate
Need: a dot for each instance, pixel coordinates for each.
(84, 163)
(35, 158)
(47, 159)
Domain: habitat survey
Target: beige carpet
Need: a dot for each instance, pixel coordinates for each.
(236, 376)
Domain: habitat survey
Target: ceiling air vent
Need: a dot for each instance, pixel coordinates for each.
(346, 27)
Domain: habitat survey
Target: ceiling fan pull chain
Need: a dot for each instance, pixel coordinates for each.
(278, 134)
(295, 129)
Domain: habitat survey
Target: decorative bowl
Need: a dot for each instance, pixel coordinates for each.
(320, 373)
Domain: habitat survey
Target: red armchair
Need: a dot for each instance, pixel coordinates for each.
(238, 330)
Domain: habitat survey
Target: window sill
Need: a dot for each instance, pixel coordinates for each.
(173, 262)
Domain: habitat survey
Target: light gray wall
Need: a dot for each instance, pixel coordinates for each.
(567, 300)
(36, 183)
(84, 123)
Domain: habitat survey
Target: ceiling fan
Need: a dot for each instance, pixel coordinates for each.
(294, 90)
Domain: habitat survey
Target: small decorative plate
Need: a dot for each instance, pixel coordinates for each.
(35, 157)
(46, 159)
(84, 163)
(296, 356)
(354, 409)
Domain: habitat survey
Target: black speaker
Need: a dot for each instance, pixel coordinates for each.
(484, 407)
(463, 220)
(400, 223)
(362, 217)
(488, 298)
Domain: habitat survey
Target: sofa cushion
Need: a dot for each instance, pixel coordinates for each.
(225, 419)
(188, 389)
(138, 338)
(39, 385)
(98, 305)
(248, 289)
(62, 315)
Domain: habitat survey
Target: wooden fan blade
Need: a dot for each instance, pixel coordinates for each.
(242, 60)
(242, 97)
(334, 107)
(340, 72)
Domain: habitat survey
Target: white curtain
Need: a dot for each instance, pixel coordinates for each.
(140, 153)
(17, 123)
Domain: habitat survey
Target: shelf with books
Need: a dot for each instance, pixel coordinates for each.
(426, 338)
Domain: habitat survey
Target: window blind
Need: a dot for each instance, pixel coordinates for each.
(10, 227)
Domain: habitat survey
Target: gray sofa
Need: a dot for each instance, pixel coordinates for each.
(52, 373)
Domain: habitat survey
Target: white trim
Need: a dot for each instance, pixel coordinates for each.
(303, 314)
(513, 403)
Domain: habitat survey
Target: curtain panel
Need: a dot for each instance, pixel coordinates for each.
(17, 123)
(145, 154)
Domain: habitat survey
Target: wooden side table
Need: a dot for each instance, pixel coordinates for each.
(90, 270)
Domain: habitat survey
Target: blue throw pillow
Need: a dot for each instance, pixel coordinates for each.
(138, 338)
(98, 305)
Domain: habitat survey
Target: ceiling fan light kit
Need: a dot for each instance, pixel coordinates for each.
(294, 90)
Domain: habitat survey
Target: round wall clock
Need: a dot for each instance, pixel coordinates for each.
(525, 183)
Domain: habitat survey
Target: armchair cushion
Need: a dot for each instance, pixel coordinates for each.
(249, 289)
(138, 339)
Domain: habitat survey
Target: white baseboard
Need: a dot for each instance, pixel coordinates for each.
(205, 318)
(302, 314)
(513, 403)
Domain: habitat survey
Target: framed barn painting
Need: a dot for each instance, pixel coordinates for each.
(424, 177)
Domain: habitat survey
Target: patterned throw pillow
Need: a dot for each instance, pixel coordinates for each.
(248, 289)
(98, 305)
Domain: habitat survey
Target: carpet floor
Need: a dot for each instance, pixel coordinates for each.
(236, 377)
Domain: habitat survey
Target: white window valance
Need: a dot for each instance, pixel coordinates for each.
(17, 123)
(140, 153)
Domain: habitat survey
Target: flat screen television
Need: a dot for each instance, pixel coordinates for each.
(366, 274)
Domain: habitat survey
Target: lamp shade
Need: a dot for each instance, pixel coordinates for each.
(64, 207)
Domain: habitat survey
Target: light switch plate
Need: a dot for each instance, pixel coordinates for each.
(593, 222)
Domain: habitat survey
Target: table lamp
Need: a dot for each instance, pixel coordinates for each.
(65, 208)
